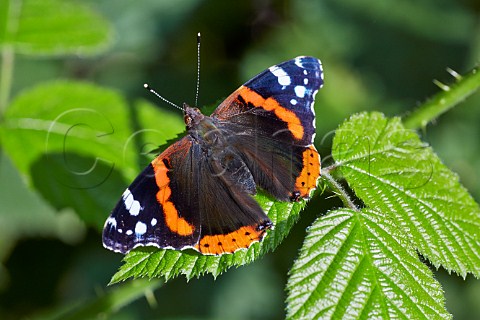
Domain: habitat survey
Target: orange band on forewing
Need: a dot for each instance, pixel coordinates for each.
(307, 180)
(270, 104)
(173, 221)
(230, 242)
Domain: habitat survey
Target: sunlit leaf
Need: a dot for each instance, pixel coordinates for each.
(360, 265)
(64, 117)
(392, 171)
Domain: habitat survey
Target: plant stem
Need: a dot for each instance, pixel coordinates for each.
(8, 53)
(444, 100)
(6, 74)
(339, 190)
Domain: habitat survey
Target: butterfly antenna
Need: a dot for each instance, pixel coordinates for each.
(146, 86)
(198, 69)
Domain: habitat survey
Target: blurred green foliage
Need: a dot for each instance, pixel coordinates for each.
(379, 55)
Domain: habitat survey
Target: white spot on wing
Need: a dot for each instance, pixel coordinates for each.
(128, 201)
(112, 222)
(129, 232)
(298, 62)
(132, 205)
(135, 208)
(282, 77)
(300, 91)
(154, 222)
(140, 228)
(293, 102)
(305, 81)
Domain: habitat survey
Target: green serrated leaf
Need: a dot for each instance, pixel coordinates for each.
(153, 263)
(53, 27)
(360, 265)
(391, 170)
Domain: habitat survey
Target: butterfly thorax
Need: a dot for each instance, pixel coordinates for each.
(201, 128)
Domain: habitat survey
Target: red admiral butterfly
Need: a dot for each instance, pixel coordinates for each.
(198, 193)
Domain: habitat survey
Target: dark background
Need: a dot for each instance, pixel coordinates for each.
(377, 55)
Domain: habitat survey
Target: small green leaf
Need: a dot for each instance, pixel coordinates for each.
(392, 171)
(68, 138)
(360, 265)
(167, 264)
(66, 117)
(53, 27)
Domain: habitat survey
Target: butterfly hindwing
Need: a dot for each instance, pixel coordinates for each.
(231, 218)
(289, 172)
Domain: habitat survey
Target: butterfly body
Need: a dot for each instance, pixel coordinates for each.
(198, 193)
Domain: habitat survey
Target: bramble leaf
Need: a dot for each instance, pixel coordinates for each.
(392, 171)
(360, 265)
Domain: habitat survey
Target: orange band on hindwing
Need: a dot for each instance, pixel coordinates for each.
(230, 242)
(307, 180)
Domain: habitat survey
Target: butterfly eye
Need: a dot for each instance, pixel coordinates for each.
(188, 120)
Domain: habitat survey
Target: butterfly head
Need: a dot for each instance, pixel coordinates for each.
(192, 116)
